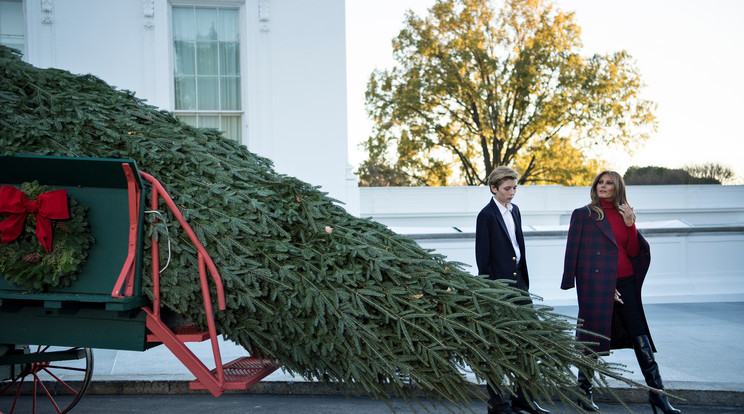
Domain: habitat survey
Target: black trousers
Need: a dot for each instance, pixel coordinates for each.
(630, 311)
(496, 399)
(522, 285)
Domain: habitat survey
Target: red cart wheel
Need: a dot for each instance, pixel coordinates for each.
(55, 383)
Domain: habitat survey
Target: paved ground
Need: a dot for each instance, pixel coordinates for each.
(246, 404)
(701, 357)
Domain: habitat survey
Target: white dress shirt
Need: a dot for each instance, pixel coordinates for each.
(510, 227)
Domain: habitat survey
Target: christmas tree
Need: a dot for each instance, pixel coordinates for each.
(333, 297)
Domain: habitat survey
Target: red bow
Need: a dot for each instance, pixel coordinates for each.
(48, 206)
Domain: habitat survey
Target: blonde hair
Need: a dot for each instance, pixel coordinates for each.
(617, 199)
(501, 174)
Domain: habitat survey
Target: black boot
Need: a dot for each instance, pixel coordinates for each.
(650, 370)
(586, 386)
(498, 403)
(523, 403)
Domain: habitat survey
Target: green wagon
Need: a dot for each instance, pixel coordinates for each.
(47, 332)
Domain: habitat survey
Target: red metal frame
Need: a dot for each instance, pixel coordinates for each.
(238, 374)
(127, 271)
(159, 330)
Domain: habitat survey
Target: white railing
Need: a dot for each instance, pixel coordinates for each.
(696, 233)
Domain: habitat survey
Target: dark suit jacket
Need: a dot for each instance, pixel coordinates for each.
(591, 264)
(494, 253)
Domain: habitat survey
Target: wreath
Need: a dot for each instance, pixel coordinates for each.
(49, 252)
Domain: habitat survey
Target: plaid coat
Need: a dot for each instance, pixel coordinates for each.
(591, 262)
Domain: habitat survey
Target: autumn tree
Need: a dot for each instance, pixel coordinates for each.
(713, 171)
(653, 175)
(474, 88)
(710, 173)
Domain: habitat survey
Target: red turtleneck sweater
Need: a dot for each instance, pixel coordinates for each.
(626, 238)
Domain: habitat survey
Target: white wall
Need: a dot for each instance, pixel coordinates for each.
(293, 71)
(685, 267)
(696, 233)
(545, 206)
(302, 73)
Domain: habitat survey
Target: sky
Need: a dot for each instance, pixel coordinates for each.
(690, 55)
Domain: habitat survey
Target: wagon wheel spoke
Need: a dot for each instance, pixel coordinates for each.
(59, 382)
(5, 387)
(38, 382)
(17, 394)
(65, 368)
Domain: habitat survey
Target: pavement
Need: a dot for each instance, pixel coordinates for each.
(700, 354)
(305, 404)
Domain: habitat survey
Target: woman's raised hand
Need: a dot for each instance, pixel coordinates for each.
(626, 212)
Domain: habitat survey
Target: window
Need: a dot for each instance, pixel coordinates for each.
(206, 53)
(11, 24)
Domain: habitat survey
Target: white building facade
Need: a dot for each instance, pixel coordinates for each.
(270, 74)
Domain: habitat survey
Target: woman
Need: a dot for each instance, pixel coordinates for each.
(607, 259)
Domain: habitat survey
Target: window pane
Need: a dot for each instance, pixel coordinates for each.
(209, 121)
(185, 92)
(208, 93)
(206, 58)
(230, 93)
(17, 44)
(184, 58)
(183, 23)
(229, 31)
(231, 126)
(229, 58)
(206, 61)
(11, 24)
(206, 24)
(11, 18)
(189, 119)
